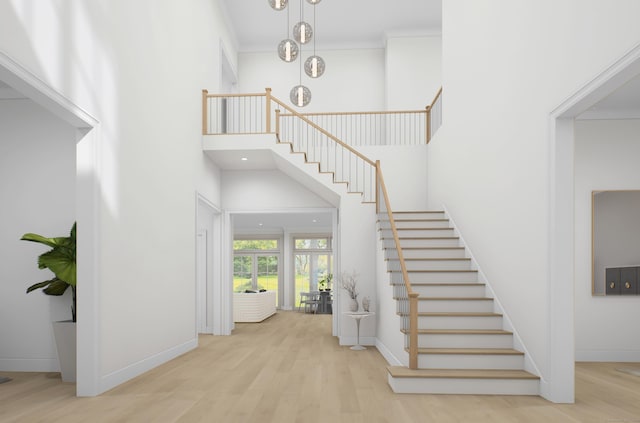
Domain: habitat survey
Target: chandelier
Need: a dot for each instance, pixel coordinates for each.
(289, 50)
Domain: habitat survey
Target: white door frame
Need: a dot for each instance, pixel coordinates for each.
(560, 384)
(88, 382)
(208, 294)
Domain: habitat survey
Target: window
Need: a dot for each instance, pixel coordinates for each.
(256, 265)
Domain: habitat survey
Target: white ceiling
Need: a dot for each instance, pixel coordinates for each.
(340, 24)
(277, 222)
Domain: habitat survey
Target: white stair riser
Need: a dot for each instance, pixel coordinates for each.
(464, 341)
(415, 224)
(455, 306)
(402, 233)
(392, 253)
(465, 386)
(423, 242)
(471, 361)
(419, 215)
(436, 276)
(451, 306)
(431, 264)
(453, 290)
(460, 322)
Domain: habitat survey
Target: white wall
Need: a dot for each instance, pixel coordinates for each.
(138, 68)
(413, 71)
(405, 174)
(606, 158)
(353, 80)
(489, 163)
(37, 187)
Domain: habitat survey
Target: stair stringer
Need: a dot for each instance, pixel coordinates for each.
(291, 164)
(529, 364)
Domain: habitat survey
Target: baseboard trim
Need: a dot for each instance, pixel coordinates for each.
(29, 365)
(118, 377)
(351, 340)
(387, 354)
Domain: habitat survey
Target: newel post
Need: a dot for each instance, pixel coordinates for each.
(278, 124)
(413, 330)
(428, 126)
(268, 105)
(377, 186)
(205, 93)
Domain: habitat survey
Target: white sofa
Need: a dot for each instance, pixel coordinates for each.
(253, 307)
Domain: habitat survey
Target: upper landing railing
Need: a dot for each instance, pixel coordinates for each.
(249, 113)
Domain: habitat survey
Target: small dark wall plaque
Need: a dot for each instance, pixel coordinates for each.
(628, 281)
(613, 281)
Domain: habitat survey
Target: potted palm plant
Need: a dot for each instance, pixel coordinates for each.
(61, 260)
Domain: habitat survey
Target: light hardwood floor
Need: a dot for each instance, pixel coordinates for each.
(290, 369)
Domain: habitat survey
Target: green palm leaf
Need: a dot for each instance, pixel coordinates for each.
(61, 260)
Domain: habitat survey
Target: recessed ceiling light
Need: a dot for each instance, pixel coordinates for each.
(315, 220)
(244, 159)
(260, 224)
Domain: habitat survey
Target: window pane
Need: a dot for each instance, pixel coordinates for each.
(312, 243)
(255, 244)
(242, 273)
(302, 276)
(268, 273)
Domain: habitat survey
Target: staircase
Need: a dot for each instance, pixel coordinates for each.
(462, 346)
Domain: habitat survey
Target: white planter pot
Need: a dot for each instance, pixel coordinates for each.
(65, 336)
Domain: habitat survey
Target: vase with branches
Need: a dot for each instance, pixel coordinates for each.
(348, 282)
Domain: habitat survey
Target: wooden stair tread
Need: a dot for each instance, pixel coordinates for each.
(436, 271)
(418, 229)
(454, 314)
(460, 332)
(405, 372)
(417, 211)
(432, 259)
(447, 298)
(430, 248)
(428, 237)
(441, 283)
(420, 284)
(470, 351)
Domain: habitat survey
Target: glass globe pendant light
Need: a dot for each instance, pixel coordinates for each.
(302, 32)
(288, 50)
(314, 2)
(300, 95)
(314, 65)
(279, 4)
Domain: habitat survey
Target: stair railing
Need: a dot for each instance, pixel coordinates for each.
(252, 114)
(330, 153)
(434, 115)
(384, 205)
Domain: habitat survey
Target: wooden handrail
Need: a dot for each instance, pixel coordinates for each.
(323, 131)
(413, 296)
(236, 95)
(392, 112)
(435, 99)
(205, 93)
(429, 108)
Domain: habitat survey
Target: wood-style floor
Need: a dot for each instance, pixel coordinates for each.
(290, 369)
